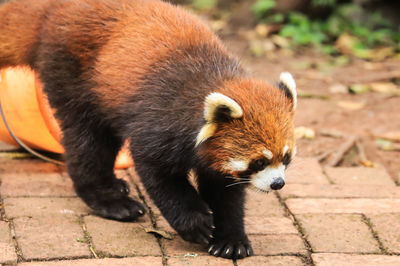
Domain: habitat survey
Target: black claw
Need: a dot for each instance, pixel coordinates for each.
(231, 249)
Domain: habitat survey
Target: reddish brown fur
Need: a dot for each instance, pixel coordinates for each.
(165, 28)
(267, 123)
(141, 70)
(19, 30)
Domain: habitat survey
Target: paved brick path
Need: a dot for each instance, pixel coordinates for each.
(331, 216)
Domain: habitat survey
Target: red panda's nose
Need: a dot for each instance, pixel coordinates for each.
(278, 183)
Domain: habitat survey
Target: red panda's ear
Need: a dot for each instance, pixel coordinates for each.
(218, 108)
(288, 85)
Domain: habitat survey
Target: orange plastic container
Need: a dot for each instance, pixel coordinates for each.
(30, 117)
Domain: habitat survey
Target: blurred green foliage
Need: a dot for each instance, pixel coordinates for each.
(369, 28)
(261, 7)
(204, 4)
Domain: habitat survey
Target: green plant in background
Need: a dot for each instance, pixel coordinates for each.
(323, 2)
(366, 29)
(261, 7)
(204, 4)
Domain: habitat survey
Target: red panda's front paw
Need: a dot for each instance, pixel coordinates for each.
(231, 249)
(196, 227)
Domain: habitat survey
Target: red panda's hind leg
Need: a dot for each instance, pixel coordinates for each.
(90, 158)
(90, 143)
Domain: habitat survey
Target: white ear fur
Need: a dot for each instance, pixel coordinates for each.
(216, 100)
(212, 102)
(206, 131)
(287, 79)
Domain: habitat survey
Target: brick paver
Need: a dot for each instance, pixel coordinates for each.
(27, 166)
(39, 201)
(339, 191)
(359, 175)
(388, 228)
(263, 205)
(194, 260)
(328, 259)
(50, 236)
(270, 261)
(305, 170)
(269, 225)
(36, 184)
(179, 247)
(344, 205)
(120, 238)
(7, 250)
(338, 233)
(18, 207)
(137, 261)
(277, 244)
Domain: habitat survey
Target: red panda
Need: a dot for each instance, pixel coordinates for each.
(152, 73)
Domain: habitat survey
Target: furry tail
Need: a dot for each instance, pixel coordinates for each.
(20, 23)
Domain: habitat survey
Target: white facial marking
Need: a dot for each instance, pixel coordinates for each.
(285, 149)
(287, 79)
(236, 165)
(263, 179)
(294, 152)
(268, 154)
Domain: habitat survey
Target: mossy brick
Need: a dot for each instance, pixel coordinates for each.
(50, 237)
(387, 226)
(115, 238)
(7, 250)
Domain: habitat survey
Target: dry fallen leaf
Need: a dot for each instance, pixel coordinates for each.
(161, 233)
(379, 54)
(304, 133)
(353, 106)
(367, 163)
(257, 48)
(359, 88)
(391, 136)
(280, 41)
(387, 145)
(263, 30)
(338, 88)
(385, 87)
(332, 133)
(218, 25)
(345, 43)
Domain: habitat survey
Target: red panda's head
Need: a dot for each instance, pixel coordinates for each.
(249, 131)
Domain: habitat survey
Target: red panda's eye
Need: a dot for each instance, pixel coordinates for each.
(259, 164)
(286, 159)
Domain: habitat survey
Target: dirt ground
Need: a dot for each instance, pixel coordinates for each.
(320, 108)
